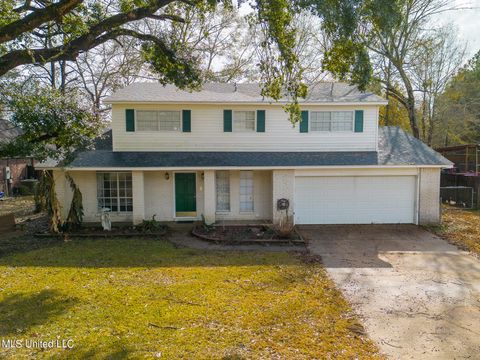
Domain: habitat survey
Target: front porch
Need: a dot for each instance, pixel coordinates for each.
(219, 196)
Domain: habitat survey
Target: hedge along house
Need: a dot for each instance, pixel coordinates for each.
(227, 153)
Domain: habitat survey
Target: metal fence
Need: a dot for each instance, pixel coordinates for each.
(459, 196)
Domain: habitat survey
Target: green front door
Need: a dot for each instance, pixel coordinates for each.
(185, 195)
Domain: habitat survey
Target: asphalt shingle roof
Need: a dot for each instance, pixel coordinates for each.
(324, 92)
(396, 147)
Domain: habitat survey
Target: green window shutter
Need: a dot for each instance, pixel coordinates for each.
(130, 120)
(358, 120)
(227, 120)
(304, 122)
(260, 120)
(186, 120)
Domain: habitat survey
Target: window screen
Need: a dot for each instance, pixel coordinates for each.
(114, 191)
(244, 120)
(246, 191)
(150, 120)
(331, 121)
(223, 190)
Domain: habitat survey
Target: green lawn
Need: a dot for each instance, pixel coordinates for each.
(146, 299)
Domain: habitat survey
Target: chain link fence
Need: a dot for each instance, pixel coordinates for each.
(459, 196)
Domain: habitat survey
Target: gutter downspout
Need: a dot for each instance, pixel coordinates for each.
(419, 175)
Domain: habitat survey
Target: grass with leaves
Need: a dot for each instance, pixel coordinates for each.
(147, 299)
(18, 205)
(461, 227)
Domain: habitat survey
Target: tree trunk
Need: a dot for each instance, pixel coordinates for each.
(431, 128)
(412, 116)
(387, 108)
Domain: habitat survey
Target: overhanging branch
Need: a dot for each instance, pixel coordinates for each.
(36, 18)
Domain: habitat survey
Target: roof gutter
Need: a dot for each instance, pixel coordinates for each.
(273, 103)
(196, 168)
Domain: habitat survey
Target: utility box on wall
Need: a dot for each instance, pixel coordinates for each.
(7, 175)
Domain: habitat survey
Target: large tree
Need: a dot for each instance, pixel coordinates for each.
(58, 31)
(42, 32)
(386, 35)
(459, 107)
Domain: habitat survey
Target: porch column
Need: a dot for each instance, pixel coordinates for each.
(283, 184)
(209, 196)
(138, 197)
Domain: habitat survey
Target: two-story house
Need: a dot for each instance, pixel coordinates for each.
(227, 153)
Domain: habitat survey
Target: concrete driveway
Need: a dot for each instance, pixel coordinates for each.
(418, 296)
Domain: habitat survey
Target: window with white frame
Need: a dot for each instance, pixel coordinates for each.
(244, 121)
(331, 120)
(246, 191)
(154, 120)
(222, 184)
(114, 191)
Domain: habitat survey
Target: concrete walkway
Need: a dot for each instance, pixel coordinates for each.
(418, 296)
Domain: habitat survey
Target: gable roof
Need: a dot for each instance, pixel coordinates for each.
(248, 93)
(395, 148)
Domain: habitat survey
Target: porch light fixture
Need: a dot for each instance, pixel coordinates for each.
(167, 176)
(203, 176)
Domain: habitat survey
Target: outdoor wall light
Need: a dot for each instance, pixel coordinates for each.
(167, 176)
(203, 176)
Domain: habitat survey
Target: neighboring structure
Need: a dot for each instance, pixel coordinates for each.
(13, 170)
(465, 158)
(462, 182)
(227, 153)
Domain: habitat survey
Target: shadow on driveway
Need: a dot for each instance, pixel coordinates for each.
(359, 246)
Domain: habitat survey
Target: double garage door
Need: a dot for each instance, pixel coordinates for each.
(355, 199)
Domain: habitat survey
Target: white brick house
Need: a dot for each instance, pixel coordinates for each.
(228, 154)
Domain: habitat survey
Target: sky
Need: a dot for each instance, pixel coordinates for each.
(467, 23)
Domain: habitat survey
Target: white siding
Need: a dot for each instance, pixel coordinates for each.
(207, 132)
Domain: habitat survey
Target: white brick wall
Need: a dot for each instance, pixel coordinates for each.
(283, 182)
(429, 209)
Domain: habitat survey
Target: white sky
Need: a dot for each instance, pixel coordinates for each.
(467, 23)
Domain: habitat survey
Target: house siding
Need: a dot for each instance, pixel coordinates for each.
(207, 131)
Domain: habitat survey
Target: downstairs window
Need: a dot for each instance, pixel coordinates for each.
(114, 191)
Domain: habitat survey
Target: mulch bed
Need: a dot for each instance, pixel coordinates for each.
(245, 234)
(98, 232)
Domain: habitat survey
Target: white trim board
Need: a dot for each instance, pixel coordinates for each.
(192, 169)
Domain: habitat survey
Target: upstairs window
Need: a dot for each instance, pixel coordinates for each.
(153, 120)
(114, 191)
(331, 121)
(244, 121)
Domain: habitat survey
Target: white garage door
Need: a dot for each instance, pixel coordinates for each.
(355, 200)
